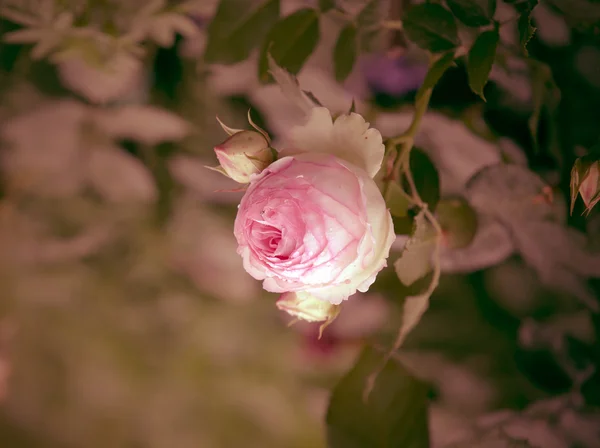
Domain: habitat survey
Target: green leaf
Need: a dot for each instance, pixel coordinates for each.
(432, 27)
(474, 13)
(393, 415)
(426, 177)
(369, 15)
(542, 90)
(345, 51)
(326, 5)
(435, 73)
(415, 261)
(480, 60)
(371, 35)
(458, 221)
(523, 6)
(290, 42)
(526, 31)
(237, 28)
(397, 201)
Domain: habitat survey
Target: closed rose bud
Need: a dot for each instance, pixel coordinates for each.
(243, 154)
(585, 181)
(306, 307)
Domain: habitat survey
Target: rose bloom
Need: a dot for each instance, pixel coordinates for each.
(314, 222)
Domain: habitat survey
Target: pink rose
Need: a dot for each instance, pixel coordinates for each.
(314, 223)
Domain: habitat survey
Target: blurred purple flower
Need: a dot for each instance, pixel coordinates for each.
(392, 75)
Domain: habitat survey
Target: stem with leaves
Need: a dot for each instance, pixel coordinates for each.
(403, 145)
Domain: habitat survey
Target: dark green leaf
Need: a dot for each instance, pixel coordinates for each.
(458, 221)
(426, 177)
(523, 6)
(431, 27)
(480, 60)
(326, 5)
(290, 42)
(435, 72)
(394, 415)
(473, 13)
(403, 225)
(237, 28)
(344, 53)
(526, 31)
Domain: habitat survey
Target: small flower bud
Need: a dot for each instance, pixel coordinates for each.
(304, 306)
(585, 181)
(243, 154)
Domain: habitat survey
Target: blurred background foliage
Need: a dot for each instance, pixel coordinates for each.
(126, 317)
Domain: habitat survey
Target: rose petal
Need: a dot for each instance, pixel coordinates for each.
(348, 138)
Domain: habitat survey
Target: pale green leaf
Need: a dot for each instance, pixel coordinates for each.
(432, 27)
(416, 259)
(393, 415)
(397, 201)
(291, 41)
(480, 60)
(237, 28)
(345, 52)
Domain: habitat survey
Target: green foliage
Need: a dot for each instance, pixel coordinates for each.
(368, 21)
(426, 177)
(526, 31)
(237, 28)
(393, 415)
(291, 41)
(326, 5)
(415, 261)
(397, 201)
(345, 52)
(474, 13)
(435, 73)
(480, 60)
(458, 221)
(432, 27)
(544, 94)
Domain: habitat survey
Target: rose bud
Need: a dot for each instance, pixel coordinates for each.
(585, 181)
(306, 307)
(243, 154)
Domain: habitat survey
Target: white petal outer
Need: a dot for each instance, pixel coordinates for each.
(348, 138)
(373, 250)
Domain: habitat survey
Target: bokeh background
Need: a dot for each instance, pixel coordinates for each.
(126, 317)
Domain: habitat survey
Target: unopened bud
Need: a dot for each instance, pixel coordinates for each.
(585, 181)
(243, 154)
(304, 306)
